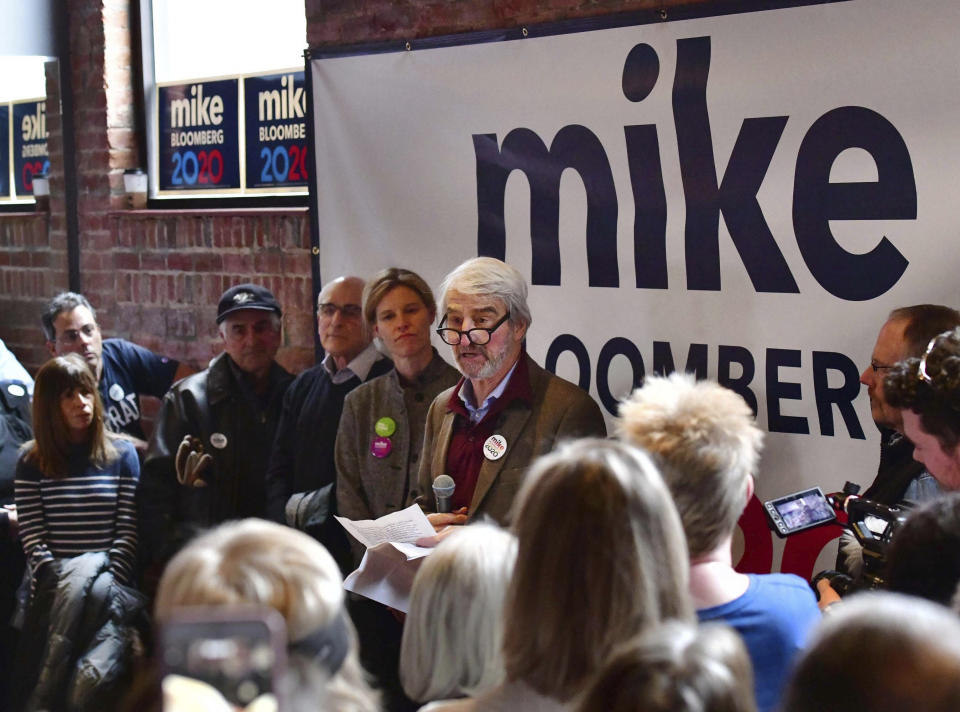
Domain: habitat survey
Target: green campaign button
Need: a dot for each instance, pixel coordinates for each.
(385, 427)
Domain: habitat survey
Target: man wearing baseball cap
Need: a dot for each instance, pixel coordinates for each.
(206, 461)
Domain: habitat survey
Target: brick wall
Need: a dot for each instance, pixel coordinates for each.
(153, 276)
(169, 269)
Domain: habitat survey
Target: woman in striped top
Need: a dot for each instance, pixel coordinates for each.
(75, 482)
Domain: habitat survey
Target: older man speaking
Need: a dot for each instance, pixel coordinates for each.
(506, 410)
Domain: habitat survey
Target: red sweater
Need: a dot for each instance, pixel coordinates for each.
(465, 454)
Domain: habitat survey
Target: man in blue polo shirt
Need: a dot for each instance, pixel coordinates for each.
(124, 370)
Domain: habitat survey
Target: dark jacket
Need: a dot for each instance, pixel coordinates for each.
(81, 638)
(236, 429)
(303, 454)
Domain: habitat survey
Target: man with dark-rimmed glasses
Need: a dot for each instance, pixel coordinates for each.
(506, 410)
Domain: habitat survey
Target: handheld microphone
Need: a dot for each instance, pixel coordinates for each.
(443, 488)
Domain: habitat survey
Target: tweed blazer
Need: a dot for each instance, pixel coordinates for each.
(369, 486)
(560, 411)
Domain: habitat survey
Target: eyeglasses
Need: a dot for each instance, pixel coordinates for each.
(348, 311)
(877, 367)
(922, 368)
(477, 336)
(70, 336)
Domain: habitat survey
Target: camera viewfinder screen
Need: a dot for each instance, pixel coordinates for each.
(805, 509)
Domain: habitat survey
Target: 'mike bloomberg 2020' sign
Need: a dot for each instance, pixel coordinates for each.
(199, 140)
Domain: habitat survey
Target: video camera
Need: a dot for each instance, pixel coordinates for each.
(873, 525)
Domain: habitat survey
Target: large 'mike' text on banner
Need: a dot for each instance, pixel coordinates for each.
(744, 197)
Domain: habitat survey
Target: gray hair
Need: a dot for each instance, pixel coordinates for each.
(275, 320)
(487, 276)
(63, 302)
(452, 635)
(883, 652)
(706, 442)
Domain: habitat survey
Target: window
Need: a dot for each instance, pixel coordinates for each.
(23, 127)
(225, 98)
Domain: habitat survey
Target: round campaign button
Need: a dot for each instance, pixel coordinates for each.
(381, 447)
(385, 427)
(494, 447)
(116, 392)
(218, 440)
(16, 390)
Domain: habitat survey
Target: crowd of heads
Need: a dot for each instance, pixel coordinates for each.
(586, 598)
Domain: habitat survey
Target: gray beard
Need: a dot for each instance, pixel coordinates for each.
(490, 368)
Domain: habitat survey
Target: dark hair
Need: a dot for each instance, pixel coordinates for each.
(63, 302)
(50, 449)
(923, 322)
(936, 397)
(883, 652)
(676, 667)
(924, 557)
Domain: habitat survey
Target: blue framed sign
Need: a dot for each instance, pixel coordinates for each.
(275, 114)
(30, 155)
(199, 146)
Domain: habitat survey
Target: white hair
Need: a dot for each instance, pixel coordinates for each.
(452, 635)
(486, 276)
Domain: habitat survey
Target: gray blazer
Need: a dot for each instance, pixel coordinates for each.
(368, 486)
(560, 411)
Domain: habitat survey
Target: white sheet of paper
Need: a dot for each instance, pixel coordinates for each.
(405, 526)
(386, 574)
(392, 558)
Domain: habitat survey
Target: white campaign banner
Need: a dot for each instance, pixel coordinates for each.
(743, 196)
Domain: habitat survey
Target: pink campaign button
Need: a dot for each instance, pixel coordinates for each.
(381, 447)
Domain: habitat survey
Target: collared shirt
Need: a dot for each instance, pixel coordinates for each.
(359, 366)
(478, 413)
(465, 453)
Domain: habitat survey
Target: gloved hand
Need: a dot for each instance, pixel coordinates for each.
(191, 462)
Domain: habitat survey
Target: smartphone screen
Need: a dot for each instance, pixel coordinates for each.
(799, 511)
(238, 652)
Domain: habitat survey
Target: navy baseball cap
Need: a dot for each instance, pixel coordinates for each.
(246, 296)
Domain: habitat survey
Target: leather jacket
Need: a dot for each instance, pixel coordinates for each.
(236, 428)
